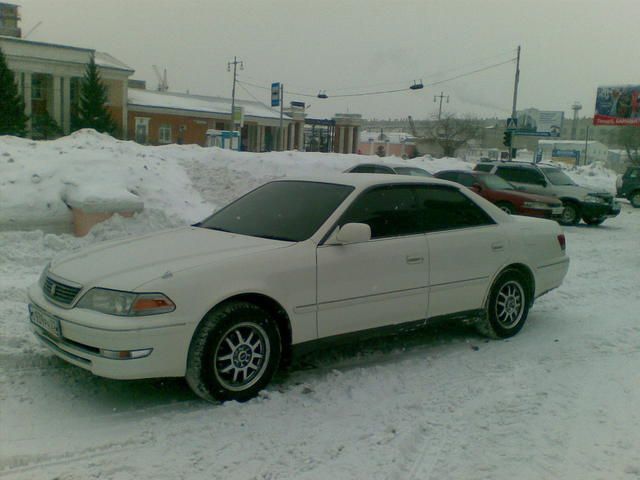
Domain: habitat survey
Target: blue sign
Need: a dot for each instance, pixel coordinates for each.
(558, 152)
(275, 94)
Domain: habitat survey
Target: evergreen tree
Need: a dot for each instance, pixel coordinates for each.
(45, 127)
(13, 120)
(92, 110)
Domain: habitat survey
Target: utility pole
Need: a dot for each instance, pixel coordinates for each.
(515, 100)
(235, 63)
(441, 96)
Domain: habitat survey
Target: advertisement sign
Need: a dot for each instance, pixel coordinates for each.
(538, 123)
(618, 105)
(275, 94)
(571, 157)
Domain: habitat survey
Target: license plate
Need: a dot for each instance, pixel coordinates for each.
(557, 210)
(45, 321)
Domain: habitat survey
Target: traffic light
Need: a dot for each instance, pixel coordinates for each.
(507, 138)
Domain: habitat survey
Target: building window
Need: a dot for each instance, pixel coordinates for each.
(164, 134)
(38, 87)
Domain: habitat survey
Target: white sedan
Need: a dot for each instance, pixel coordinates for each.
(292, 262)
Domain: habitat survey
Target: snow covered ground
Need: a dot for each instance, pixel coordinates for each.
(557, 401)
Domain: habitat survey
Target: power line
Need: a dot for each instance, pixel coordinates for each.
(383, 92)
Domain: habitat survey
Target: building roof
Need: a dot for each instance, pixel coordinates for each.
(198, 103)
(102, 59)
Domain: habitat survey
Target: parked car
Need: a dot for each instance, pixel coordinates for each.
(504, 195)
(628, 185)
(591, 205)
(389, 169)
(289, 264)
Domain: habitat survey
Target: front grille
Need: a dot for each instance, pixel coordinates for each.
(59, 292)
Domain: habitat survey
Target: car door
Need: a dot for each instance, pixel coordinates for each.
(466, 248)
(379, 282)
(528, 179)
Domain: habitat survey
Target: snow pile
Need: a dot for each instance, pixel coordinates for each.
(38, 179)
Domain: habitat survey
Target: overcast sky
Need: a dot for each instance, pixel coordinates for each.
(569, 47)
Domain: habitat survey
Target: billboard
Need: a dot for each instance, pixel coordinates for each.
(617, 105)
(539, 123)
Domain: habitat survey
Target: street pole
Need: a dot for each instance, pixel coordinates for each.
(281, 132)
(235, 63)
(441, 96)
(586, 145)
(515, 100)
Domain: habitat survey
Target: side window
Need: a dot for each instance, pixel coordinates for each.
(531, 176)
(466, 179)
(364, 169)
(390, 211)
(510, 174)
(443, 208)
(451, 176)
(483, 167)
(633, 173)
(382, 169)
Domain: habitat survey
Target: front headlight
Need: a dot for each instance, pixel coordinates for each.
(538, 205)
(594, 199)
(126, 304)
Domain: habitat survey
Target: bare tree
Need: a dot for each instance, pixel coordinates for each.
(629, 138)
(451, 132)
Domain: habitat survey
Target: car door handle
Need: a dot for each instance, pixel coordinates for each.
(497, 246)
(411, 260)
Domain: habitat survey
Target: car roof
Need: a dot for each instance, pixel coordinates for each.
(389, 165)
(365, 180)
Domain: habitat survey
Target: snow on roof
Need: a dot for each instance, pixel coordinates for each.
(105, 60)
(198, 103)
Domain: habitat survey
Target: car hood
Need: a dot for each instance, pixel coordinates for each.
(126, 264)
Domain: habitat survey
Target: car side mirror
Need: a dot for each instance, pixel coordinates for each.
(542, 182)
(476, 187)
(352, 233)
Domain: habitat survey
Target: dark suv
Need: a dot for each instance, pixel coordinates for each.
(591, 205)
(628, 185)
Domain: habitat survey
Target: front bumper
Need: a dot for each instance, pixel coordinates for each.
(598, 210)
(80, 342)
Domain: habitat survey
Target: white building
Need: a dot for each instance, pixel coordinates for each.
(561, 150)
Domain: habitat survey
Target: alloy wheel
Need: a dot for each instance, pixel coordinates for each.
(510, 304)
(241, 356)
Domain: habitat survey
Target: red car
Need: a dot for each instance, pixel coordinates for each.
(504, 195)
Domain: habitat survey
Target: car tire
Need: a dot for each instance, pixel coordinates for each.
(234, 353)
(507, 307)
(570, 214)
(634, 198)
(506, 207)
(593, 220)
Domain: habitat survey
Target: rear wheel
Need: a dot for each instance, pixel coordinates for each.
(507, 308)
(506, 207)
(570, 214)
(635, 199)
(234, 353)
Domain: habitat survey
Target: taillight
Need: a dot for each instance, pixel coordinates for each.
(562, 241)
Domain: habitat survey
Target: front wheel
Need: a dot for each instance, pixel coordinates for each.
(507, 308)
(635, 199)
(506, 207)
(570, 214)
(234, 353)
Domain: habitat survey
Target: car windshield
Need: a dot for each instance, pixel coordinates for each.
(494, 182)
(283, 210)
(414, 171)
(557, 176)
